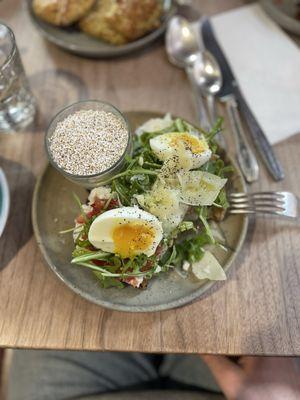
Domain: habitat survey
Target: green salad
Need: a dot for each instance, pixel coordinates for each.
(158, 213)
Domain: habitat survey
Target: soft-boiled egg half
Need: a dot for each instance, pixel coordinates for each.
(126, 231)
(191, 150)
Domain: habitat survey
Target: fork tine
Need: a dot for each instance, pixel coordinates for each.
(237, 195)
(271, 195)
(257, 193)
(255, 200)
(258, 202)
(274, 197)
(243, 211)
(259, 199)
(284, 204)
(254, 211)
(255, 205)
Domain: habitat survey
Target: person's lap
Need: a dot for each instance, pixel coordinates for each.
(63, 375)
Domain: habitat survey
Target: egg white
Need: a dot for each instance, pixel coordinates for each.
(170, 145)
(102, 228)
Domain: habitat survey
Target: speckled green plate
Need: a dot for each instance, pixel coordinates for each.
(54, 209)
(77, 42)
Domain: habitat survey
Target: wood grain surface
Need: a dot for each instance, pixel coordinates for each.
(257, 311)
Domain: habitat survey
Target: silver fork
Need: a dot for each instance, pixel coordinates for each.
(283, 204)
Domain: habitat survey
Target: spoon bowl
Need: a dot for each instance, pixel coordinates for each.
(181, 42)
(207, 73)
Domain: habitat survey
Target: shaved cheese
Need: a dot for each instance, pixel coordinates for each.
(199, 188)
(208, 268)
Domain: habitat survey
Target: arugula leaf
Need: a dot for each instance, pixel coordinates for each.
(78, 202)
(191, 250)
(222, 200)
(107, 282)
(179, 125)
(91, 255)
(217, 128)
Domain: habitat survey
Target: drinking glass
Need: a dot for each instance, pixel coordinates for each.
(17, 104)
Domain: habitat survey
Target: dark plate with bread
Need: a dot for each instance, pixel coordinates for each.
(101, 28)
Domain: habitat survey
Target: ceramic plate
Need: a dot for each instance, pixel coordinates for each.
(4, 201)
(285, 12)
(71, 39)
(54, 210)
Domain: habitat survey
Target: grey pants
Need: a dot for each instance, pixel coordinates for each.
(66, 375)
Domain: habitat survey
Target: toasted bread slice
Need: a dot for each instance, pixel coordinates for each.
(61, 12)
(95, 24)
(134, 18)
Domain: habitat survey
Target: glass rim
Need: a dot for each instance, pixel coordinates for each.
(98, 174)
(14, 46)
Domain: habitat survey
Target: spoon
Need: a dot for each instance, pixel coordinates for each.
(183, 50)
(208, 76)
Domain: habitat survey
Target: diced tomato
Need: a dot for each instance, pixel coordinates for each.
(114, 203)
(147, 266)
(159, 250)
(149, 263)
(80, 219)
(100, 263)
(97, 208)
(98, 205)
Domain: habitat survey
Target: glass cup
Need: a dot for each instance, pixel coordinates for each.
(17, 105)
(89, 181)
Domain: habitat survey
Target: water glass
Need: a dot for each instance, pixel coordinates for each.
(17, 104)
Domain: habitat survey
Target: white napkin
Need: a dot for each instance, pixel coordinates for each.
(266, 63)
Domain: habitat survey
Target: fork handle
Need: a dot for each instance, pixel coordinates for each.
(245, 155)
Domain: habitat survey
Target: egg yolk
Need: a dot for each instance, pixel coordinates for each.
(132, 239)
(191, 142)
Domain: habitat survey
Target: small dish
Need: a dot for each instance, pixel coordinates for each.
(79, 43)
(88, 181)
(53, 209)
(4, 201)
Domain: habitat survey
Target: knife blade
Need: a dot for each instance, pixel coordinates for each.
(230, 87)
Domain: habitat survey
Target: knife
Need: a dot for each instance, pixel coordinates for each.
(230, 87)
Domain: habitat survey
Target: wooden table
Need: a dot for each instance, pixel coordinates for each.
(257, 311)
